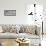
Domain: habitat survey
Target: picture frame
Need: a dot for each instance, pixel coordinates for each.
(9, 12)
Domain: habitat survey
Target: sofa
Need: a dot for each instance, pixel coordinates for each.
(19, 31)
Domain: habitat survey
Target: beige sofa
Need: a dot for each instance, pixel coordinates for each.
(19, 31)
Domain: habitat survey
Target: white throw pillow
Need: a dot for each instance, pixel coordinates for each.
(30, 29)
(1, 30)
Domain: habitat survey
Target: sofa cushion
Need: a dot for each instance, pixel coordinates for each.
(1, 30)
(30, 29)
(9, 28)
(21, 29)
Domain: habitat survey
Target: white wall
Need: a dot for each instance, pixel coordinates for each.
(19, 6)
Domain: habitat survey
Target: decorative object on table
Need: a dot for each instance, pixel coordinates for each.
(9, 12)
(25, 43)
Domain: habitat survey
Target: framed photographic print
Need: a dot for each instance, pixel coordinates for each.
(9, 12)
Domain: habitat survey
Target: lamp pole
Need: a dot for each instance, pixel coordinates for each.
(42, 25)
